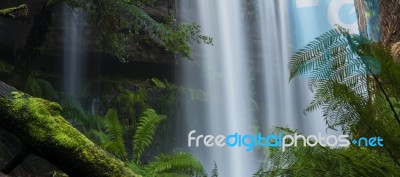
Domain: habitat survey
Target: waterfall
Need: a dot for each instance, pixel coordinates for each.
(284, 100)
(245, 79)
(74, 47)
(224, 76)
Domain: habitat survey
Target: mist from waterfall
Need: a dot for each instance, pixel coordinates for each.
(245, 79)
(74, 49)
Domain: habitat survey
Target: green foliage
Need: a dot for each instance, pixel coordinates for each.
(131, 105)
(110, 136)
(145, 132)
(180, 162)
(132, 98)
(74, 111)
(41, 88)
(114, 132)
(323, 161)
(163, 96)
(320, 161)
(121, 23)
(356, 84)
(339, 66)
(43, 123)
(158, 83)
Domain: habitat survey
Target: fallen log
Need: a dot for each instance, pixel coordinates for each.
(41, 128)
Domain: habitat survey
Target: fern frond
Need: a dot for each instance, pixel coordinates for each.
(136, 168)
(99, 137)
(74, 111)
(115, 135)
(355, 82)
(144, 132)
(41, 88)
(316, 52)
(180, 162)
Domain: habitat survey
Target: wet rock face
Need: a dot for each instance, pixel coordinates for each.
(15, 30)
(147, 59)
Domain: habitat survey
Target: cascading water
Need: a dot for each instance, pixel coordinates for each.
(225, 79)
(284, 100)
(74, 49)
(229, 77)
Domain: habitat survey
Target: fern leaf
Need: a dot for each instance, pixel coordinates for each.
(177, 163)
(144, 132)
(115, 135)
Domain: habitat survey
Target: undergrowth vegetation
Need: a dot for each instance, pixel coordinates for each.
(129, 129)
(356, 84)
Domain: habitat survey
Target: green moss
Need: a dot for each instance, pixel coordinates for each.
(46, 126)
(17, 94)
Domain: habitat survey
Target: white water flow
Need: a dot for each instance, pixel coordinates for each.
(225, 79)
(280, 102)
(245, 78)
(74, 47)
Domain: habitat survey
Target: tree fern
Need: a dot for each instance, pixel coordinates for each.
(356, 84)
(339, 58)
(144, 132)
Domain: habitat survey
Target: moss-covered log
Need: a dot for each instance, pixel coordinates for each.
(46, 133)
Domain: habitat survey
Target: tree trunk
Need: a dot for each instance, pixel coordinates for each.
(47, 134)
(389, 12)
(390, 21)
(361, 9)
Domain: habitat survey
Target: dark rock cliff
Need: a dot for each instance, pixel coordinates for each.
(146, 60)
